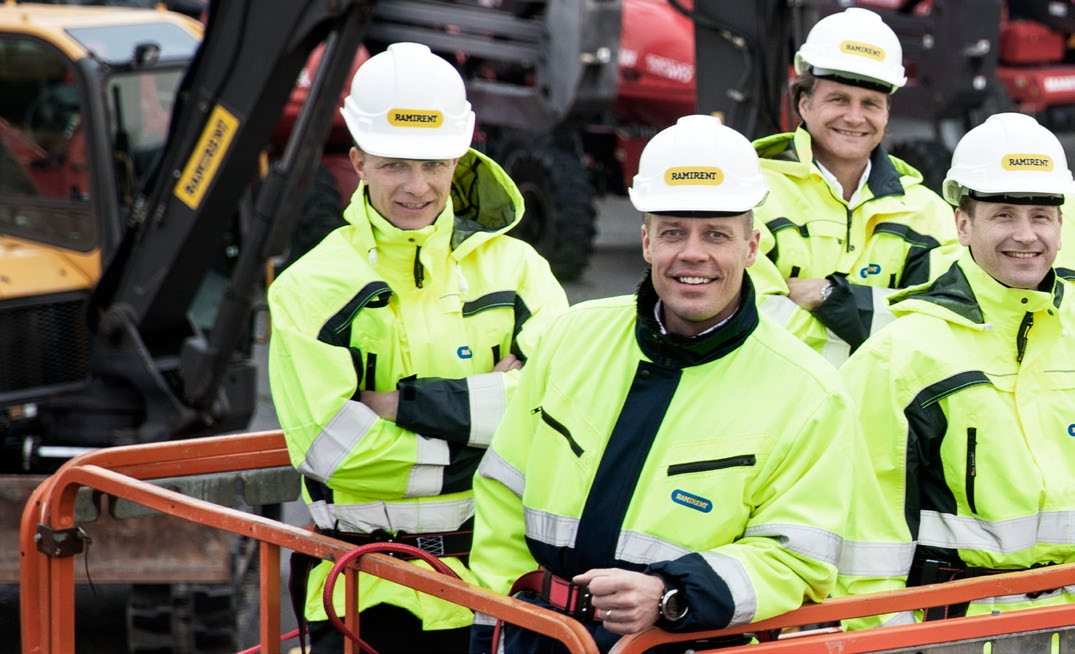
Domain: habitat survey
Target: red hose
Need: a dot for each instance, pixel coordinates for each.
(341, 563)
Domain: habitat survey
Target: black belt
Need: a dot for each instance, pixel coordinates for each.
(440, 543)
(932, 571)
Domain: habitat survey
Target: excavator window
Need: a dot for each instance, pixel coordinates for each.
(44, 184)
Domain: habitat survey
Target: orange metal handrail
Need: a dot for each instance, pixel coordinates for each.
(47, 582)
(889, 638)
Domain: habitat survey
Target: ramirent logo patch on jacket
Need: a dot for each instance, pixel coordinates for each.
(692, 501)
(1026, 162)
(694, 176)
(415, 118)
(863, 50)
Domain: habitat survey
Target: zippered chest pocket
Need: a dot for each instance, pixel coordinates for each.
(712, 464)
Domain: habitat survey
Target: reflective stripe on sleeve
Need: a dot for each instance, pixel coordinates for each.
(495, 467)
(811, 542)
(779, 308)
(882, 315)
(488, 399)
(735, 575)
(336, 440)
(427, 475)
(1005, 536)
(875, 559)
(549, 528)
(835, 350)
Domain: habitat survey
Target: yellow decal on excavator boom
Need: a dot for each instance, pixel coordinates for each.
(202, 166)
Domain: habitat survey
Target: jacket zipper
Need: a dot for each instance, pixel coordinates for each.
(715, 464)
(1021, 338)
(419, 272)
(559, 427)
(972, 469)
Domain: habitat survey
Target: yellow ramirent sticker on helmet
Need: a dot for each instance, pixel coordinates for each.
(1040, 162)
(862, 50)
(415, 118)
(694, 176)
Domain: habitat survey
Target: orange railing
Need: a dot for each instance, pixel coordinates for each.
(48, 579)
(47, 588)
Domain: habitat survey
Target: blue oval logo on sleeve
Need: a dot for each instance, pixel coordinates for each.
(872, 269)
(464, 352)
(692, 501)
(1071, 430)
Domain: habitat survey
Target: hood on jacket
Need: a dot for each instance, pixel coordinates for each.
(484, 201)
(952, 296)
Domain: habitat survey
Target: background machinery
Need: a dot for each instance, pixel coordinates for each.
(138, 211)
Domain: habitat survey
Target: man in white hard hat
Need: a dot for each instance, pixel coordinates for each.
(397, 341)
(845, 223)
(967, 396)
(670, 458)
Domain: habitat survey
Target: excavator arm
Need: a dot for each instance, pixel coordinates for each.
(230, 101)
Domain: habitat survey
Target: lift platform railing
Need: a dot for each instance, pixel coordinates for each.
(49, 539)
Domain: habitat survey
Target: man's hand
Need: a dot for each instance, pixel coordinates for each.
(625, 601)
(384, 404)
(510, 362)
(806, 292)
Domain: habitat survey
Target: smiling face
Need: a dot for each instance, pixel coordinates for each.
(1015, 243)
(845, 122)
(698, 266)
(409, 193)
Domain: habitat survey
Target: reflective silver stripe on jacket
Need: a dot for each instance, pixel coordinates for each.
(495, 467)
(488, 399)
(735, 575)
(779, 308)
(556, 530)
(882, 315)
(412, 517)
(875, 559)
(1021, 598)
(427, 475)
(1004, 536)
(811, 542)
(336, 440)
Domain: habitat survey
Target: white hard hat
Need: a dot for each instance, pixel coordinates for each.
(1010, 154)
(854, 46)
(408, 103)
(698, 165)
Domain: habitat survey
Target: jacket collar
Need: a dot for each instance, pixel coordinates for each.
(679, 352)
(968, 294)
(797, 147)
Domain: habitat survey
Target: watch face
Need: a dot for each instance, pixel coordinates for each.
(673, 605)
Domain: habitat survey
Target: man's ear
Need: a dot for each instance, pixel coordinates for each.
(645, 244)
(358, 162)
(963, 226)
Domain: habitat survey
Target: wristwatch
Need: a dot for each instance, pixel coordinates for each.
(673, 605)
(826, 291)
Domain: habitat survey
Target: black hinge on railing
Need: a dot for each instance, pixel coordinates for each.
(58, 543)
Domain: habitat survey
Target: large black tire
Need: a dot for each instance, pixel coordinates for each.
(560, 218)
(931, 158)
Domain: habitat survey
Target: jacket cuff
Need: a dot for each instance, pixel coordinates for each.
(435, 407)
(709, 600)
(841, 311)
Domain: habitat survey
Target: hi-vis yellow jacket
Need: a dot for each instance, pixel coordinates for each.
(429, 312)
(968, 406)
(718, 462)
(898, 234)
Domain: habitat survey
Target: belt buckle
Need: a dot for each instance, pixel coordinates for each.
(432, 544)
(583, 609)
